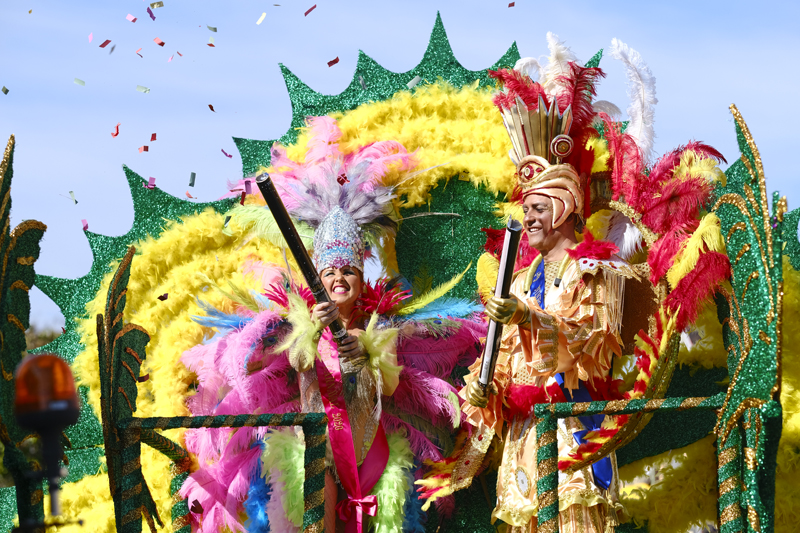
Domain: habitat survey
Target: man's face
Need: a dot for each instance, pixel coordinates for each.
(538, 221)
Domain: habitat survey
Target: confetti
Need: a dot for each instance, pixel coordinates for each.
(152, 137)
(105, 43)
(131, 18)
(80, 82)
(151, 183)
(226, 154)
(247, 187)
(151, 14)
(511, 4)
(227, 219)
(116, 130)
(170, 59)
(241, 200)
(196, 507)
(261, 18)
(113, 47)
(63, 329)
(189, 195)
(72, 195)
(212, 28)
(413, 82)
(29, 12)
(211, 107)
(138, 54)
(180, 54)
(164, 296)
(362, 82)
(85, 224)
(155, 5)
(211, 42)
(312, 8)
(191, 179)
(159, 42)
(143, 149)
(90, 36)
(142, 88)
(332, 62)
(5, 91)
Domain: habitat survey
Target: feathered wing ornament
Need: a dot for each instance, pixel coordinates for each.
(642, 93)
(558, 65)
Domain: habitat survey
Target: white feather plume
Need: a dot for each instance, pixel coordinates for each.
(560, 56)
(642, 93)
(529, 66)
(624, 235)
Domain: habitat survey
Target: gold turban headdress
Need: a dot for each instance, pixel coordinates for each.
(540, 138)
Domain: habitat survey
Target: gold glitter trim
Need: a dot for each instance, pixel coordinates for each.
(14, 320)
(547, 499)
(6, 157)
(316, 527)
(752, 517)
(781, 208)
(315, 500)
(739, 226)
(548, 467)
(654, 404)
(548, 438)
(764, 338)
(731, 512)
(728, 485)
(579, 408)
(689, 403)
(37, 497)
(727, 455)
(747, 403)
(649, 236)
(180, 522)
(742, 251)
(551, 526)
(762, 210)
(750, 459)
(27, 261)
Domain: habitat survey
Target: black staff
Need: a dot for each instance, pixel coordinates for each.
(307, 268)
(502, 288)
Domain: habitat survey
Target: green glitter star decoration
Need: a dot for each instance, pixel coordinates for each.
(752, 335)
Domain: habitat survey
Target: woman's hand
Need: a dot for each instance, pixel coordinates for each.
(326, 313)
(351, 349)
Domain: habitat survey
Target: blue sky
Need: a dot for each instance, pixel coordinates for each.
(705, 56)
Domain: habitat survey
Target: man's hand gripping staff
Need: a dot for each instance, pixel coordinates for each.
(502, 308)
(306, 266)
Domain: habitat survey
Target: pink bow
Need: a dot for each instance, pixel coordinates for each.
(367, 504)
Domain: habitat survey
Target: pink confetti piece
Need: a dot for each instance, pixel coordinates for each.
(150, 12)
(332, 62)
(105, 43)
(151, 183)
(170, 59)
(152, 137)
(211, 107)
(312, 8)
(247, 187)
(159, 42)
(143, 149)
(116, 130)
(63, 329)
(180, 54)
(138, 54)
(226, 154)
(164, 296)
(131, 18)
(189, 195)
(85, 224)
(90, 36)
(241, 201)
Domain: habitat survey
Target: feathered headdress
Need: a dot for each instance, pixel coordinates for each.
(338, 195)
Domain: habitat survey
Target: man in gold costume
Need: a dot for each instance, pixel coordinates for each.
(563, 317)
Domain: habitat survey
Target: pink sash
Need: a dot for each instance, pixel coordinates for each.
(356, 480)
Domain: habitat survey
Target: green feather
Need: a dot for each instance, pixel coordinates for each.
(422, 300)
(261, 223)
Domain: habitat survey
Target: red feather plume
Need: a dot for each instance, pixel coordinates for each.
(517, 84)
(695, 290)
(580, 85)
(381, 297)
(593, 249)
(674, 203)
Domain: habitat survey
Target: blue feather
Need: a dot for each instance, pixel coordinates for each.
(217, 319)
(447, 307)
(414, 518)
(256, 504)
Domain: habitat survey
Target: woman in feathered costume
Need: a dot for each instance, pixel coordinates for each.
(277, 355)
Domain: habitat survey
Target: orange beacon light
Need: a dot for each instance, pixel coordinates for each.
(46, 401)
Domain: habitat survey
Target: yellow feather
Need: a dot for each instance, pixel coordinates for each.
(486, 275)
(422, 300)
(601, 154)
(708, 236)
(694, 164)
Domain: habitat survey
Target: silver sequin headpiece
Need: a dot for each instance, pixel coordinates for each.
(338, 242)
